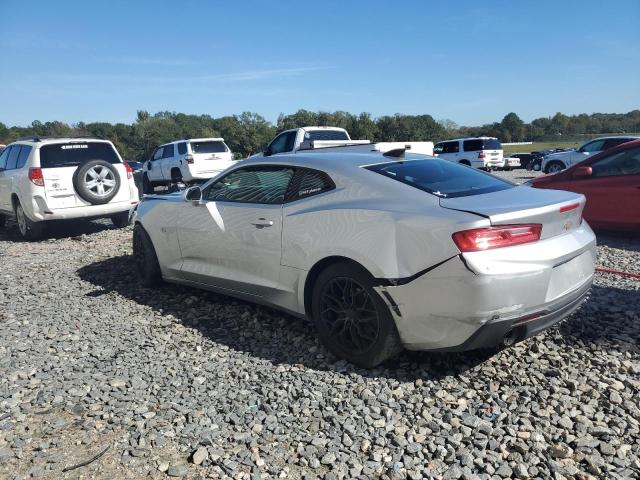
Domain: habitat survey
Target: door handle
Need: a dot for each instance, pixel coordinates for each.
(262, 222)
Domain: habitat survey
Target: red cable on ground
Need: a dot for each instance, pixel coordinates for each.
(617, 272)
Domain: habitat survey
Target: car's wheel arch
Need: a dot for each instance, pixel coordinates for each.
(466, 162)
(317, 269)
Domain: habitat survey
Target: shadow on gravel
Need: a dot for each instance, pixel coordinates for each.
(261, 331)
(625, 240)
(56, 230)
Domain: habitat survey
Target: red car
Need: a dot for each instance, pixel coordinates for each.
(611, 183)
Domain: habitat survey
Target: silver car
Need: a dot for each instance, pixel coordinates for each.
(380, 252)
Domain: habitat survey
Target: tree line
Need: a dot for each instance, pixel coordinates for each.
(248, 132)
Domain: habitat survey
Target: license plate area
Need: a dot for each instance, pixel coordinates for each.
(569, 275)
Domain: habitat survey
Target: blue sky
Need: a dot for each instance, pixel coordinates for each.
(468, 61)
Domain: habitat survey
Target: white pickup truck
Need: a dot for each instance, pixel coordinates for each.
(323, 138)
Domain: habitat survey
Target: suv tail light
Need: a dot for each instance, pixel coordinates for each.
(188, 159)
(500, 236)
(36, 177)
(481, 155)
(129, 170)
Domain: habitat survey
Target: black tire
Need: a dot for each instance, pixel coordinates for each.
(3, 220)
(29, 230)
(147, 185)
(465, 162)
(343, 295)
(554, 167)
(96, 181)
(121, 220)
(145, 258)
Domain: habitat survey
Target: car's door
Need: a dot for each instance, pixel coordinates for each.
(5, 179)
(153, 166)
(232, 238)
(168, 161)
(588, 149)
(613, 189)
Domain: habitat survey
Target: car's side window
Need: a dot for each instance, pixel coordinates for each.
(168, 151)
(451, 147)
(12, 160)
(614, 142)
(3, 158)
(24, 154)
(595, 146)
(182, 148)
(264, 184)
(157, 154)
(626, 162)
(283, 143)
(309, 182)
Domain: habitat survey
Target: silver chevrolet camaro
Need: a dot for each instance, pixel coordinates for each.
(380, 252)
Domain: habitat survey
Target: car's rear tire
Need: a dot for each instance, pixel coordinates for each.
(29, 230)
(351, 318)
(176, 175)
(96, 181)
(145, 258)
(465, 162)
(554, 167)
(121, 220)
(3, 220)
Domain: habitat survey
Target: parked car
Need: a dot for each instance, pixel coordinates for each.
(189, 161)
(527, 159)
(43, 179)
(480, 152)
(510, 162)
(324, 139)
(135, 166)
(380, 251)
(611, 183)
(558, 161)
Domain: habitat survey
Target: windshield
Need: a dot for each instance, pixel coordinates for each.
(311, 135)
(441, 177)
(208, 147)
(72, 154)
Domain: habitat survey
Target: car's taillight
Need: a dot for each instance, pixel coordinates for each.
(129, 170)
(36, 177)
(480, 239)
(188, 159)
(481, 155)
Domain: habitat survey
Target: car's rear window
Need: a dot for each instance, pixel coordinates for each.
(208, 147)
(481, 144)
(441, 177)
(311, 135)
(74, 153)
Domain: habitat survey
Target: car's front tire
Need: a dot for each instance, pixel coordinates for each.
(3, 220)
(121, 220)
(554, 167)
(351, 318)
(29, 230)
(147, 186)
(145, 258)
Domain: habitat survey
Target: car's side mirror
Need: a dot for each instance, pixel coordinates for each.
(192, 194)
(267, 151)
(582, 172)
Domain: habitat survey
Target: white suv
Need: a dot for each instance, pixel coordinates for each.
(557, 162)
(189, 161)
(45, 179)
(478, 152)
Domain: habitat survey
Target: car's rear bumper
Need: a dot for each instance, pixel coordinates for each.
(474, 301)
(42, 213)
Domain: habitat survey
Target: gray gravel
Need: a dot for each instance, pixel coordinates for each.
(189, 384)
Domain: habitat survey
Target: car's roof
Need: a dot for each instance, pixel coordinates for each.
(208, 139)
(469, 138)
(331, 160)
(613, 136)
(49, 141)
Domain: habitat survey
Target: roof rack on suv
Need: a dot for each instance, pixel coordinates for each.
(39, 138)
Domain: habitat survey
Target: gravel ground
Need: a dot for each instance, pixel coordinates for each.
(179, 382)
